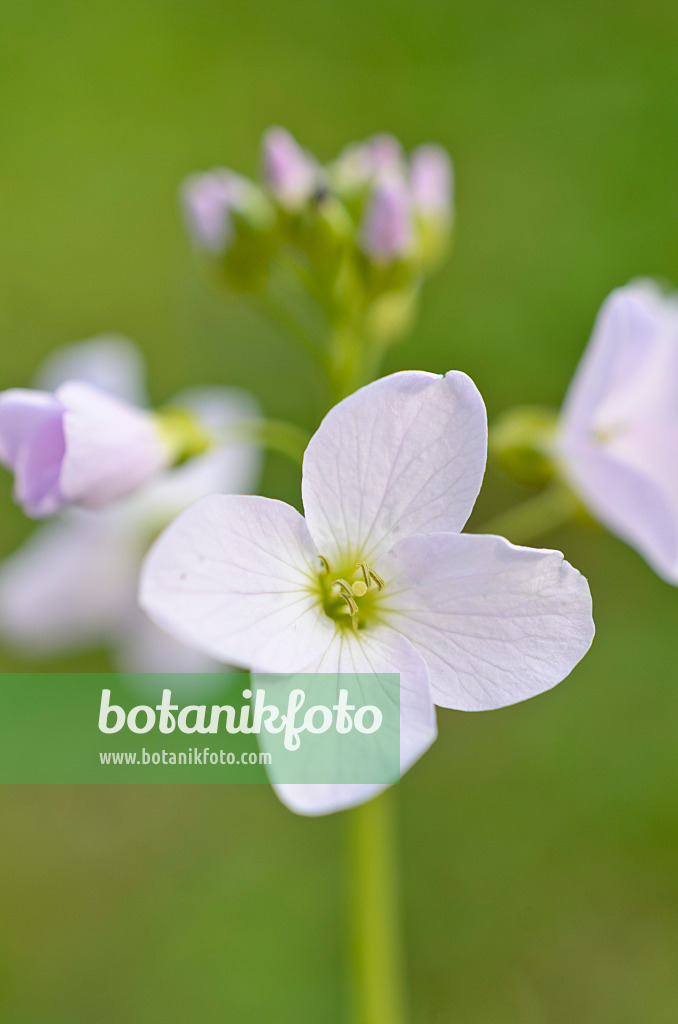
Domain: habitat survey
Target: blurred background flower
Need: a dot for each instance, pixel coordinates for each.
(540, 843)
(618, 439)
(73, 584)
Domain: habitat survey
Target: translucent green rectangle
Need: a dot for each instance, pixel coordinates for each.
(225, 728)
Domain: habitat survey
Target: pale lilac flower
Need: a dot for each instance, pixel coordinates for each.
(618, 439)
(377, 577)
(387, 230)
(290, 173)
(432, 181)
(77, 445)
(73, 584)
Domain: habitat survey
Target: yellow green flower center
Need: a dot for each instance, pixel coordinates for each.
(350, 594)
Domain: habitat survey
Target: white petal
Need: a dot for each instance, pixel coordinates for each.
(67, 587)
(494, 622)
(111, 447)
(233, 577)
(228, 468)
(620, 423)
(110, 362)
(404, 455)
(379, 651)
(626, 330)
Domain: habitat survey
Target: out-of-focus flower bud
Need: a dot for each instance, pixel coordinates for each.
(359, 163)
(290, 173)
(216, 201)
(432, 181)
(432, 184)
(522, 443)
(206, 201)
(387, 229)
(230, 217)
(326, 230)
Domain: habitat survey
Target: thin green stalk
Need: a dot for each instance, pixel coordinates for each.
(354, 362)
(552, 507)
(280, 316)
(377, 951)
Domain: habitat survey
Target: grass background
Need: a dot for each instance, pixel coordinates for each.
(540, 843)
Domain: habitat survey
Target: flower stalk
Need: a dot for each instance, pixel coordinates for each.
(376, 934)
(555, 506)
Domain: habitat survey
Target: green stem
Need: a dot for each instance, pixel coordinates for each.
(276, 435)
(378, 961)
(354, 362)
(280, 316)
(552, 507)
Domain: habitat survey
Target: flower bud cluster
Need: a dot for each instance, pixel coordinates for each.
(361, 231)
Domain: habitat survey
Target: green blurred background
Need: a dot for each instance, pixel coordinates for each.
(540, 843)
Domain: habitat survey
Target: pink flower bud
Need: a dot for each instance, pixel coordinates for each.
(289, 172)
(387, 229)
(384, 153)
(432, 181)
(207, 200)
(359, 163)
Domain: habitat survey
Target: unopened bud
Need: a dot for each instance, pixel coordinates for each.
(213, 202)
(387, 230)
(432, 181)
(326, 229)
(432, 184)
(360, 163)
(290, 173)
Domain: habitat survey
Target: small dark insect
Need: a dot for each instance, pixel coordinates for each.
(321, 194)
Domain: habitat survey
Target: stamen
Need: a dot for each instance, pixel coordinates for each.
(344, 590)
(377, 579)
(358, 585)
(370, 576)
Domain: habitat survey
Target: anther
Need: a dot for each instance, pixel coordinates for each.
(370, 576)
(344, 590)
(377, 579)
(326, 564)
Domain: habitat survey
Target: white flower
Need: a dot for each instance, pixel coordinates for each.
(73, 584)
(618, 440)
(377, 577)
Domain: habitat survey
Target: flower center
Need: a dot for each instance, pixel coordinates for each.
(349, 596)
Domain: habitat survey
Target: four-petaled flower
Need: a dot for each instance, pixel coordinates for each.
(377, 577)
